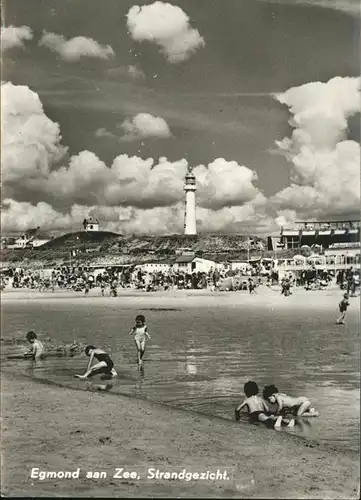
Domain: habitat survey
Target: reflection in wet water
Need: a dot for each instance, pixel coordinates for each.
(199, 358)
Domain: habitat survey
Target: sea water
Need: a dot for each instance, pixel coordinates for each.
(200, 355)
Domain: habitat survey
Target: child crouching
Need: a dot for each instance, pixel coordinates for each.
(258, 410)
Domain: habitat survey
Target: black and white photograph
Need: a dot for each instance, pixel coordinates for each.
(180, 249)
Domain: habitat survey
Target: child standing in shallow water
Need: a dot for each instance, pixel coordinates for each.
(140, 333)
(36, 350)
(258, 409)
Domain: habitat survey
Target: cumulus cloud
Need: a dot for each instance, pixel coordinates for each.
(75, 48)
(325, 167)
(21, 216)
(30, 141)
(144, 195)
(132, 194)
(14, 36)
(103, 132)
(144, 125)
(225, 183)
(130, 181)
(166, 25)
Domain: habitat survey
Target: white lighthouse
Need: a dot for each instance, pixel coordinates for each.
(190, 188)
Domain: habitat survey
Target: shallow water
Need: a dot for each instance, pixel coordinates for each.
(199, 357)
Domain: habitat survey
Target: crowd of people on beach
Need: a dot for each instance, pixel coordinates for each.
(85, 279)
(108, 281)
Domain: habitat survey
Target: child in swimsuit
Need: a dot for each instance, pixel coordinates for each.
(36, 350)
(104, 366)
(258, 410)
(140, 333)
(299, 407)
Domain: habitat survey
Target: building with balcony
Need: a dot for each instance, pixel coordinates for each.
(323, 234)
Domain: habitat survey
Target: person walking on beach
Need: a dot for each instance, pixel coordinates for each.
(113, 288)
(343, 305)
(140, 333)
(104, 366)
(251, 286)
(258, 410)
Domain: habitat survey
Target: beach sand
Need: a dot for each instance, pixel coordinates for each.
(268, 297)
(57, 429)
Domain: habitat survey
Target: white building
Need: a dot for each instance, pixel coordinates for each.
(334, 259)
(91, 224)
(38, 241)
(240, 265)
(30, 239)
(21, 242)
(343, 249)
(190, 264)
(153, 267)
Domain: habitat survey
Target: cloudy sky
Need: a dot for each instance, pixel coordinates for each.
(105, 103)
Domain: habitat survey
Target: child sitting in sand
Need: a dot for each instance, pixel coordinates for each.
(299, 407)
(258, 409)
(104, 366)
(140, 333)
(36, 350)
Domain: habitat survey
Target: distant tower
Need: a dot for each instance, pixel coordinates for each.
(190, 207)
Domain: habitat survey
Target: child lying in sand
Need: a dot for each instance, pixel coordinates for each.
(104, 366)
(258, 409)
(36, 350)
(300, 407)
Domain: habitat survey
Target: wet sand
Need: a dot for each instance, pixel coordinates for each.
(56, 429)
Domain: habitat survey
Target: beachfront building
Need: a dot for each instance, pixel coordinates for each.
(337, 257)
(190, 264)
(239, 265)
(154, 267)
(91, 224)
(323, 234)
